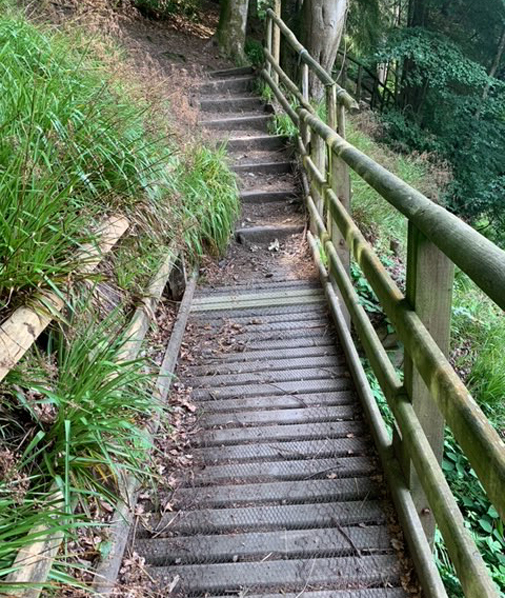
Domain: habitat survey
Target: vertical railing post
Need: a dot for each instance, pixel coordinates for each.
(358, 83)
(430, 275)
(318, 156)
(306, 97)
(339, 180)
(276, 40)
(268, 42)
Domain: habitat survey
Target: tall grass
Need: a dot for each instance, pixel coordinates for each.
(82, 410)
(210, 202)
(70, 149)
(73, 146)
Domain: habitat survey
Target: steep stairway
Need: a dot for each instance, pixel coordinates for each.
(285, 499)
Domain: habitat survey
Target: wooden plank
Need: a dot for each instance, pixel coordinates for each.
(22, 328)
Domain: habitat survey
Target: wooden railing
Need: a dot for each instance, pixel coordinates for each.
(431, 394)
(380, 96)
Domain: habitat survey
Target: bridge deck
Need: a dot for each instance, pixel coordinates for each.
(285, 498)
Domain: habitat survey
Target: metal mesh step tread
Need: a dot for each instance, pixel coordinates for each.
(388, 592)
(264, 295)
(321, 332)
(273, 388)
(245, 320)
(305, 449)
(271, 403)
(247, 354)
(270, 285)
(271, 365)
(284, 375)
(281, 492)
(280, 416)
(256, 546)
(333, 573)
(278, 308)
(342, 467)
(249, 325)
(269, 518)
(343, 429)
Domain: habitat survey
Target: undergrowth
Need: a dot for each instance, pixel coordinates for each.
(75, 146)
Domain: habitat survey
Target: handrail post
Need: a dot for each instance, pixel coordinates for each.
(276, 40)
(430, 275)
(306, 97)
(358, 83)
(268, 42)
(339, 179)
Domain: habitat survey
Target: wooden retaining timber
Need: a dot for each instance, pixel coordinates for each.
(432, 390)
(33, 563)
(21, 329)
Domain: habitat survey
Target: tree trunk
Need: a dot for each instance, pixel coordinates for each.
(232, 28)
(496, 62)
(323, 24)
(413, 96)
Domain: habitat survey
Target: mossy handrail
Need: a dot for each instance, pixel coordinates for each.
(431, 390)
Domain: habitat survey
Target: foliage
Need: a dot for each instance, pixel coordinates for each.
(71, 149)
(77, 144)
(254, 52)
(478, 335)
(211, 200)
(480, 516)
(447, 110)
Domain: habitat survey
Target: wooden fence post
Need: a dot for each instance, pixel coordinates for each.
(358, 83)
(306, 97)
(430, 275)
(276, 40)
(268, 42)
(339, 180)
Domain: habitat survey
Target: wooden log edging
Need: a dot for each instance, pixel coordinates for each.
(33, 563)
(21, 329)
(107, 570)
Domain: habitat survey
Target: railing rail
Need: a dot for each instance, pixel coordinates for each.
(431, 391)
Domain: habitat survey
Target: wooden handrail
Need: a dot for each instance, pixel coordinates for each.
(481, 259)
(342, 96)
(434, 234)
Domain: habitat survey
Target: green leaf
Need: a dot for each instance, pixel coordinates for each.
(486, 526)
